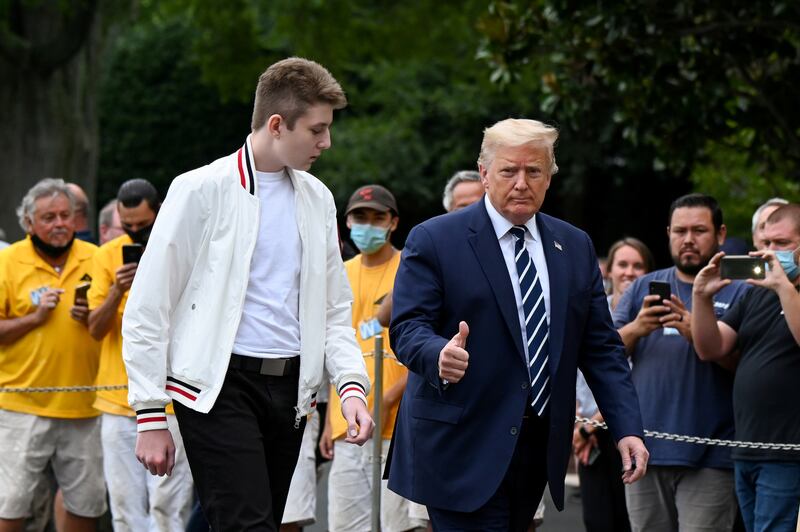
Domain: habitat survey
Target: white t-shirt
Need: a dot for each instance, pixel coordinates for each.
(270, 326)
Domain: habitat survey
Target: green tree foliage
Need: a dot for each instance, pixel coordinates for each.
(157, 120)
(419, 99)
(689, 82)
(51, 57)
(649, 97)
(727, 172)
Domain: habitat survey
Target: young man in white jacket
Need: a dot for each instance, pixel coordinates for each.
(239, 302)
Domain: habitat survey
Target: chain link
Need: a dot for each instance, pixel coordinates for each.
(700, 440)
(54, 389)
(584, 420)
(388, 356)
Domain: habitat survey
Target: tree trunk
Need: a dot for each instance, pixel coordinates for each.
(51, 62)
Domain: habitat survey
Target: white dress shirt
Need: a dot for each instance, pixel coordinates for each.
(533, 243)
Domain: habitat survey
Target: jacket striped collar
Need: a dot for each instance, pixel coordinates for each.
(246, 166)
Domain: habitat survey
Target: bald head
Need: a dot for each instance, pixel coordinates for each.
(81, 207)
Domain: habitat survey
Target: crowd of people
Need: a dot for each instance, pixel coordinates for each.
(230, 350)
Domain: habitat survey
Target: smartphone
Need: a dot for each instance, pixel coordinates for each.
(660, 289)
(594, 454)
(742, 267)
(132, 253)
(81, 291)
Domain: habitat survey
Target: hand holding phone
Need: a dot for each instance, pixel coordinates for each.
(80, 308)
(132, 253)
(81, 292)
(743, 267)
(594, 454)
(660, 289)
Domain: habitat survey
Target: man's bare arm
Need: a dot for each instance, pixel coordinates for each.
(646, 321)
(713, 340)
(102, 318)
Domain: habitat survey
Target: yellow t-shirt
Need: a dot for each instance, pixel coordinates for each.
(369, 285)
(60, 352)
(107, 260)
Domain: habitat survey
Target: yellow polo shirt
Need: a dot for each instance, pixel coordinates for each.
(369, 285)
(60, 352)
(107, 260)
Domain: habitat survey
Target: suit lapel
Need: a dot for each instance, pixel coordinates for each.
(557, 267)
(487, 251)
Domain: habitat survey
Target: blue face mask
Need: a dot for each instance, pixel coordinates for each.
(786, 258)
(368, 238)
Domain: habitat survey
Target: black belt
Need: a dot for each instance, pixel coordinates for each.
(277, 367)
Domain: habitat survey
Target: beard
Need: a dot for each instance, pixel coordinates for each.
(692, 268)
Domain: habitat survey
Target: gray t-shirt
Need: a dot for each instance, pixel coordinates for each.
(678, 392)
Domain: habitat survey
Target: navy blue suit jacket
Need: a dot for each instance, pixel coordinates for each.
(453, 444)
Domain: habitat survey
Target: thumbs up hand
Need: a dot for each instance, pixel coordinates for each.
(453, 358)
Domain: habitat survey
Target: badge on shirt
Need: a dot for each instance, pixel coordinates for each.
(370, 328)
(36, 295)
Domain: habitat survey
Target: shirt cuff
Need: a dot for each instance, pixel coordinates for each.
(151, 419)
(352, 389)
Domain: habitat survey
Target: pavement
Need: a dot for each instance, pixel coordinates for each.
(554, 521)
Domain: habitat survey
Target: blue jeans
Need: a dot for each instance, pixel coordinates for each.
(769, 495)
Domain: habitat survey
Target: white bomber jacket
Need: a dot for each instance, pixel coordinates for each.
(186, 301)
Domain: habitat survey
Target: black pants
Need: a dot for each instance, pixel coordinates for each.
(602, 491)
(243, 452)
(511, 508)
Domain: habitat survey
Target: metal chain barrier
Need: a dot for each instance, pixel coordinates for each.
(585, 420)
(386, 355)
(53, 389)
(700, 440)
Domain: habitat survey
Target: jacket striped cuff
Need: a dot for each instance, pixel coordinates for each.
(352, 389)
(151, 419)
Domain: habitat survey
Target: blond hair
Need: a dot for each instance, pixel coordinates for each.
(514, 132)
(289, 87)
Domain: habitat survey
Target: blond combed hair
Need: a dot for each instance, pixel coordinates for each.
(513, 132)
(290, 87)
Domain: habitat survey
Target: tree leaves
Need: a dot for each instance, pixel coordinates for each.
(682, 78)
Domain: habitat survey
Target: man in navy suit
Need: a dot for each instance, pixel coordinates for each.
(495, 307)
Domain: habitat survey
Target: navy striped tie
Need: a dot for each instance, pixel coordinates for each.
(537, 329)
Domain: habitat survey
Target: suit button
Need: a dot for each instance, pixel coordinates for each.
(513, 431)
(193, 306)
(524, 386)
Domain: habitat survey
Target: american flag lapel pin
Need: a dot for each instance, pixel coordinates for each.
(557, 245)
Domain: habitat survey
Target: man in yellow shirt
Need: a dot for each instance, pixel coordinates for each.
(44, 343)
(138, 500)
(372, 217)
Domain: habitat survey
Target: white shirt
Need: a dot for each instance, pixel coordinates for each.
(270, 325)
(533, 243)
